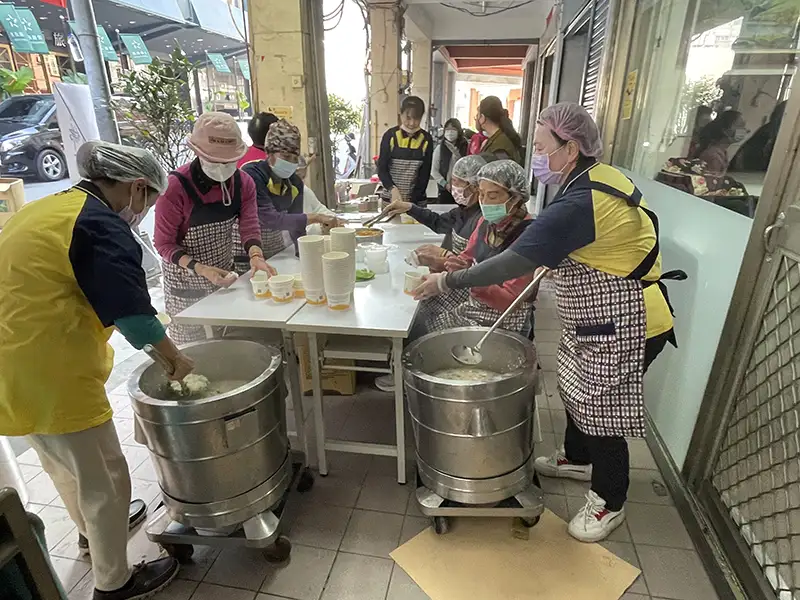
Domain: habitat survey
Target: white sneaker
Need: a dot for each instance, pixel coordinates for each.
(385, 383)
(594, 522)
(557, 465)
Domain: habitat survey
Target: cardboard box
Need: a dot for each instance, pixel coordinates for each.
(341, 382)
(12, 198)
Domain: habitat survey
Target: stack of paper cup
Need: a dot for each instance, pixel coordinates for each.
(311, 248)
(336, 268)
(343, 239)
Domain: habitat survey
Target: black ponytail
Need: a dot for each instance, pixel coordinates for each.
(491, 107)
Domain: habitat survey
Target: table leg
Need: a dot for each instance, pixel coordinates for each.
(316, 384)
(295, 390)
(399, 408)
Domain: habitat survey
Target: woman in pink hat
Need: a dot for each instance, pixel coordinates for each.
(195, 219)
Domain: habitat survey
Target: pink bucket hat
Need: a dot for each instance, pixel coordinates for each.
(216, 138)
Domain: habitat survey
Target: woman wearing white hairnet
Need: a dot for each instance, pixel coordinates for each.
(70, 272)
(601, 241)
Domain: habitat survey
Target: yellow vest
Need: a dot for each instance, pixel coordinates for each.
(54, 355)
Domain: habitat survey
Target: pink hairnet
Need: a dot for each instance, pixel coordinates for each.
(571, 122)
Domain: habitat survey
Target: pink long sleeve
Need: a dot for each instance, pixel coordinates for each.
(249, 226)
(172, 217)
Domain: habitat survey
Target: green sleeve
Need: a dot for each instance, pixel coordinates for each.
(140, 330)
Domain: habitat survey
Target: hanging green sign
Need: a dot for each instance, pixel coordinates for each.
(219, 62)
(106, 47)
(35, 35)
(138, 52)
(244, 66)
(15, 28)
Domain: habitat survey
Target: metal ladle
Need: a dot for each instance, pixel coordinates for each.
(471, 355)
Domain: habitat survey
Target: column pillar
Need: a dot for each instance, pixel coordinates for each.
(421, 59)
(384, 87)
(288, 77)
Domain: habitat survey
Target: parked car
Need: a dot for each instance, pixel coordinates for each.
(30, 140)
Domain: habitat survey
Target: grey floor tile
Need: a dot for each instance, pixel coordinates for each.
(303, 577)
(559, 421)
(384, 494)
(547, 348)
(145, 471)
(372, 533)
(647, 487)
(140, 548)
(84, 590)
(356, 577)
(145, 490)
(548, 362)
(57, 525)
(41, 489)
(632, 596)
(68, 547)
(135, 456)
(239, 568)
(402, 587)
(620, 534)
(69, 572)
(656, 525)
(576, 489)
(202, 559)
(675, 574)
(30, 458)
(547, 446)
(338, 488)
(558, 505)
(547, 336)
(627, 552)
(206, 591)
(552, 485)
(29, 472)
(641, 457)
(319, 528)
(545, 420)
(412, 508)
(355, 466)
(413, 526)
(179, 589)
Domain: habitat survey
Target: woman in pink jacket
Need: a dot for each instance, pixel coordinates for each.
(195, 218)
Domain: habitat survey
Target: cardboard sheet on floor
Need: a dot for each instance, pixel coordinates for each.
(480, 558)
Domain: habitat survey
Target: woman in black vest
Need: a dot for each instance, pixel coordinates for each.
(446, 155)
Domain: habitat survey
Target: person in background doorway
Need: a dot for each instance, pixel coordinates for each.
(286, 206)
(71, 272)
(446, 155)
(702, 117)
(406, 156)
(195, 220)
(493, 121)
(601, 242)
(716, 138)
(257, 129)
(755, 154)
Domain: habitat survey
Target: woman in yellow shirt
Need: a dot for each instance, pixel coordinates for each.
(70, 271)
(601, 241)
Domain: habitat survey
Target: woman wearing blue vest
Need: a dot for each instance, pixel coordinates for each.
(70, 272)
(601, 241)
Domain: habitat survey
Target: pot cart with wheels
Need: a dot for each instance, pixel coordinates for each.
(474, 436)
(222, 459)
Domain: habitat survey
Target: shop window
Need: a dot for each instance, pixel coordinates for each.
(704, 95)
(41, 82)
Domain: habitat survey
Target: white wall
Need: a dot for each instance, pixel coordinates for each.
(707, 242)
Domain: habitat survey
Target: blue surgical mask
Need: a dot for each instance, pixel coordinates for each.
(494, 213)
(284, 169)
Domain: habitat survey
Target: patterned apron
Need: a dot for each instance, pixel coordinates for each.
(405, 168)
(601, 353)
(208, 243)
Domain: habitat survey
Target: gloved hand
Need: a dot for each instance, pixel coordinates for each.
(397, 195)
(219, 277)
(398, 207)
(457, 263)
(432, 285)
(257, 263)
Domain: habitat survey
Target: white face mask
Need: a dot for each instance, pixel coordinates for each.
(450, 135)
(218, 171)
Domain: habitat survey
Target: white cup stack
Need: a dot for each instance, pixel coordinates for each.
(343, 239)
(336, 268)
(311, 248)
(376, 259)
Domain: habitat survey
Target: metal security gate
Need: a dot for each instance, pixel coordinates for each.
(743, 466)
(598, 43)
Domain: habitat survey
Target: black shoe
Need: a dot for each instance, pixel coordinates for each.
(136, 514)
(147, 579)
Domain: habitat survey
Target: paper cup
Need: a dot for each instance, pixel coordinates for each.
(413, 281)
(299, 290)
(282, 288)
(311, 248)
(361, 251)
(315, 297)
(336, 268)
(340, 301)
(327, 242)
(377, 254)
(260, 286)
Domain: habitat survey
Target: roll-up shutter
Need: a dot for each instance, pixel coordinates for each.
(597, 47)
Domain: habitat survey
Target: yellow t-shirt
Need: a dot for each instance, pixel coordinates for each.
(69, 267)
(602, 230)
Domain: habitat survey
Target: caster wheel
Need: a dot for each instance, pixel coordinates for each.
(180, 552)
(279, 551)
(306, 481)
(441, 525)
(530, 523)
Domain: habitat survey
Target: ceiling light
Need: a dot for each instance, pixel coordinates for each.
(132, 22)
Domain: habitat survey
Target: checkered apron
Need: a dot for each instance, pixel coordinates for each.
(601, 354)
(208, 243)
(272, 242)
(405, 165)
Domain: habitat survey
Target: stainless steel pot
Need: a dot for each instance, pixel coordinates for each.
(474, 440)
(222, 459)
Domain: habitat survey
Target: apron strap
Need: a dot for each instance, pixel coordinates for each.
(194, 195)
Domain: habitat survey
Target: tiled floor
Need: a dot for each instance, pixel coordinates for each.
(343, 530)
